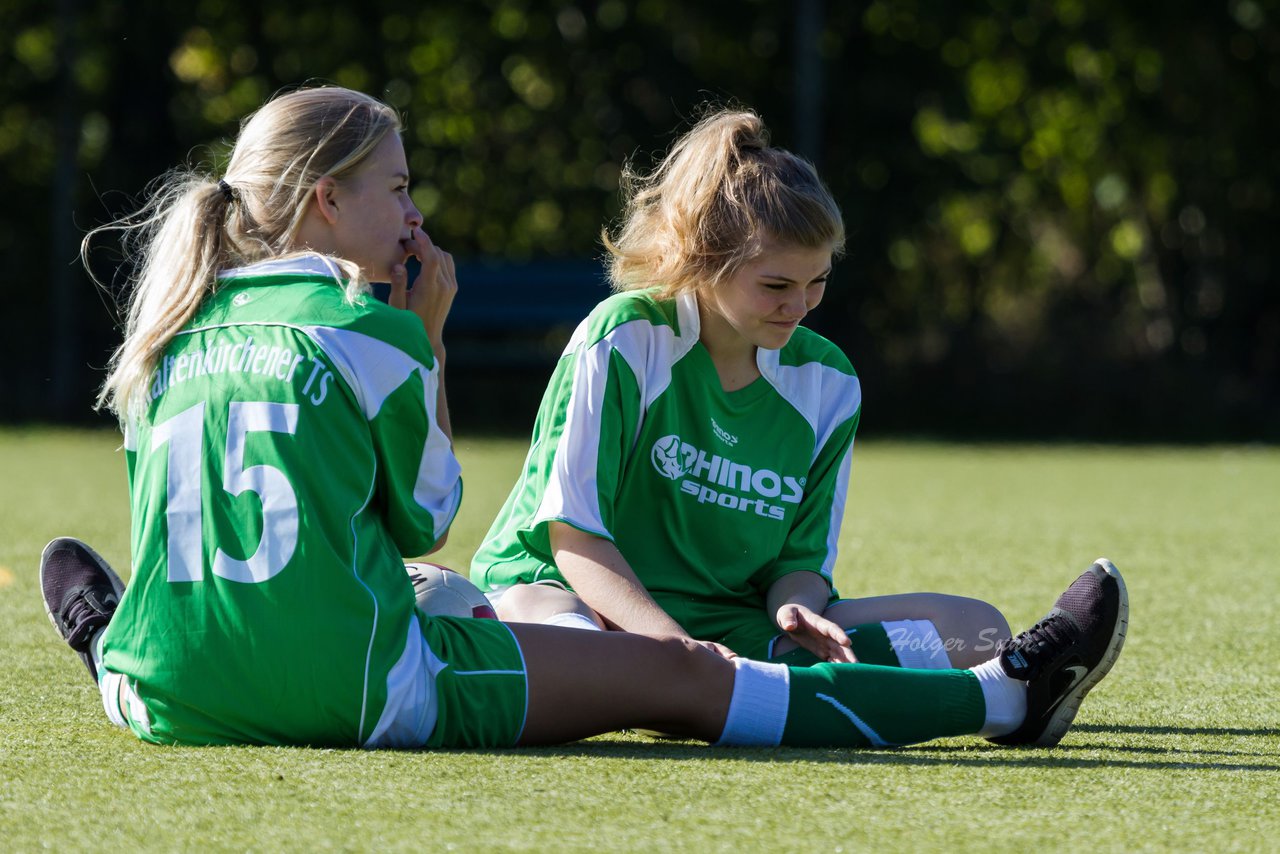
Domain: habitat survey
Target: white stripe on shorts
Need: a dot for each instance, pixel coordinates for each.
(917, 644)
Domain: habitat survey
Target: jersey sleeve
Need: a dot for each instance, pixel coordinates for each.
(395, 380)
(813, 542)
(586, 442)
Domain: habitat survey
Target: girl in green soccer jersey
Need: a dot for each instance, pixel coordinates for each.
(690, 461)
(287, 445)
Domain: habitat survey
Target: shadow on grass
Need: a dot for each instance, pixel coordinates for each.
(1172, 730)
(979, 755)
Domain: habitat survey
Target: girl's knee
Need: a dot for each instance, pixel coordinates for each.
(983, 617)
(533, 603)
(978, 626)
(946, 608)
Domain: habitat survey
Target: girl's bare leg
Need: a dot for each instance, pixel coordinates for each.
(586, 683)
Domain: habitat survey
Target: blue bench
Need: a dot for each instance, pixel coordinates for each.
(517, 315)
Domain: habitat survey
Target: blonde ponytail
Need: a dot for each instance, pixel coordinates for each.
(719, 193)
(178, 239)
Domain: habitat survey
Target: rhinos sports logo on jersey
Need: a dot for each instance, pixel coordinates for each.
(666, 457)
(713, 479)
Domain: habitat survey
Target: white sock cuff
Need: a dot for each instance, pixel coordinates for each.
(109, 686)
(758, 708)
(121, 703)
(572, 620)
(917, 644)
(1005, 699)
(109, 683)
(95, 650)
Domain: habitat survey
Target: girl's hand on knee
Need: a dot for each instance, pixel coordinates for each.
(815, 633)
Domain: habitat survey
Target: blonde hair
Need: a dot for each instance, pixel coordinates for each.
(709, 207)
(194, 225)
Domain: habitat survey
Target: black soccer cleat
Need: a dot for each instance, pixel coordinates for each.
(1068, 652)
(81, 593)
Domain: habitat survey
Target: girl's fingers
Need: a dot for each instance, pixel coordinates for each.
(836, 633)
(399, 281)
(437, 264)
(414, 244)
(724, 651)
(430, 267)
(435, 287)
(448, 268)
(842, 655)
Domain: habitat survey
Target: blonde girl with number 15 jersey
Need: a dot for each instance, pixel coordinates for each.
(288, 446)
(691, 459)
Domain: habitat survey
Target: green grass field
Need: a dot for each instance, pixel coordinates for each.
(1177, 749)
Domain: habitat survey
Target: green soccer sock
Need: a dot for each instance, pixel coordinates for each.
(850, 705)
(867, 705)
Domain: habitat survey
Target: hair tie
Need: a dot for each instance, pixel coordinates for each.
(228, 194)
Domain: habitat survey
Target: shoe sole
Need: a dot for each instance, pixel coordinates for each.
(1065, 714)
(116, 583)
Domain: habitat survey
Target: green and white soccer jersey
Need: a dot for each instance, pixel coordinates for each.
(711, 496)
(288, 458)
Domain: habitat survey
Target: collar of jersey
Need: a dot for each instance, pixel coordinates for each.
(699, 360)
(690, 341)
(691, 330)
(310, 265)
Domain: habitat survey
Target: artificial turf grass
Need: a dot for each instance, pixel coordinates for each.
(1177, 748)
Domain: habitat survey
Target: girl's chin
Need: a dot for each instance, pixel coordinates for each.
(776, 337)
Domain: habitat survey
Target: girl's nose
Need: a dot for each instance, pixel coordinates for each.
(796, 304)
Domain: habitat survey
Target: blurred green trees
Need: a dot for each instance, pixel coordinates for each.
(1061, 214)
(1085, 243)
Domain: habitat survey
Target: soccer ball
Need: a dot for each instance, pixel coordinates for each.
(442, 592)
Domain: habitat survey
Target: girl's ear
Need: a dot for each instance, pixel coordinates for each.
(323, 194)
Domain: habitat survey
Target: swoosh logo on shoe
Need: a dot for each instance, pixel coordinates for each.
(1078, 672)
